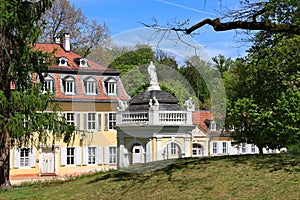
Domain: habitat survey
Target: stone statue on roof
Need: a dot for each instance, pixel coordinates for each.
(189, 105)
(152, 76)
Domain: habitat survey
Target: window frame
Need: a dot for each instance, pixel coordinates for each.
(215, 148)
(91, 156)
(68, 120)
(111, 87)
(48, 84)
(69, 85)
(112, 155)
(70, 156)
(91, 121)
(25, 158)
(198, 150)
(224, 147)
(90, 86)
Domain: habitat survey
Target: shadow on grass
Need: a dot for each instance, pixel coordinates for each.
(273, 162)
(142, 172)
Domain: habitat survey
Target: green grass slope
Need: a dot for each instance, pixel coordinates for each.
(228, 177)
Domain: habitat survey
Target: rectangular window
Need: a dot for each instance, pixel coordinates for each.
(253, 149)
(215, 147)
(112, 88)
(69, 87)
(92, 155)
(112, 155)
(70, 117)
(90, 87)
(112, 120)
(224, 147)
(24, 157)
(244, 150)
(48, 85)
(70, 155)
(91, 121)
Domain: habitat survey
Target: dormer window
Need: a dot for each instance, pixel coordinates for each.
(83, 62)
(63, 61)
(90, 86)
(48, 84)
(69, 85)
(213, 126)
(111, 86)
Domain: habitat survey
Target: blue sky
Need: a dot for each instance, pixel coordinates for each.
(123, 18)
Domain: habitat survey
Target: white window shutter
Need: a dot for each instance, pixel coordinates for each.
(10, 158)
(16, 158)
(99, 122)
(78, 121)
(106, 121)
(63, 156)
(99, 155)
(84, 121)
(78, 155)
(85, 155)
(106, 155)
(32, 157)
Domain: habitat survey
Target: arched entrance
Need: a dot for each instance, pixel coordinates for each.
(197, 150)
(172, 150)
(137, 154)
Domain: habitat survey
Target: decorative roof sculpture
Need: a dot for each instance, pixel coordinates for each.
(152, 76)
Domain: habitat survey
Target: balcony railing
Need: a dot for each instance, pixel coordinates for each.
(154, 118)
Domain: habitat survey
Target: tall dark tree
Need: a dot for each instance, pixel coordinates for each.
(22, 120)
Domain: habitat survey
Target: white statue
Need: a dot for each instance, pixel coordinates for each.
(122, 105)
(152, 76)
(189, 105)
(154, 106)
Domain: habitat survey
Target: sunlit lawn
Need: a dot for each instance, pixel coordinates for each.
(230, 177)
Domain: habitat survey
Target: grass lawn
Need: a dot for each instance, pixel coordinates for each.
(229, 177)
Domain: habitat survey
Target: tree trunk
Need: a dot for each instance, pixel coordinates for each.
(4, 158)
(260, 150)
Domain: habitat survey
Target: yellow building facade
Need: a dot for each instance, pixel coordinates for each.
(88, 95)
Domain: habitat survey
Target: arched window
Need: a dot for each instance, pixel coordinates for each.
(172, 150)
(69, 85)
(90, 86)
(111, 86)
(197, 150)
(48, 84)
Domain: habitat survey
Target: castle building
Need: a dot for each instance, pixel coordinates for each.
(88, 94)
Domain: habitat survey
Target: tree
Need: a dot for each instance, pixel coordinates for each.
(275, 16)
(266, 110)
(64, 17)
(23, 121)
(222, 64)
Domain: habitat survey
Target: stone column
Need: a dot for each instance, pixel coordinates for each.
(149, 150)
(159, 149)
(187, 146)
(121, 155)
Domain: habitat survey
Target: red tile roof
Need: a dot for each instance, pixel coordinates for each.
(72, 57)
(199, 118)
(92, 69)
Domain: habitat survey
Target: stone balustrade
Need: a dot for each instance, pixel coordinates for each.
(153, 117)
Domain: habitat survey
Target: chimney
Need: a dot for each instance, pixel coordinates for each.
(57, 40)
(66, 43)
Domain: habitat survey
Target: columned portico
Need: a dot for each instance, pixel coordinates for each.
(155, 119)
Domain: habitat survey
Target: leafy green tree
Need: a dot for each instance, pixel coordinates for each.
(23, 121)
(222, 64)
(266, 111)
